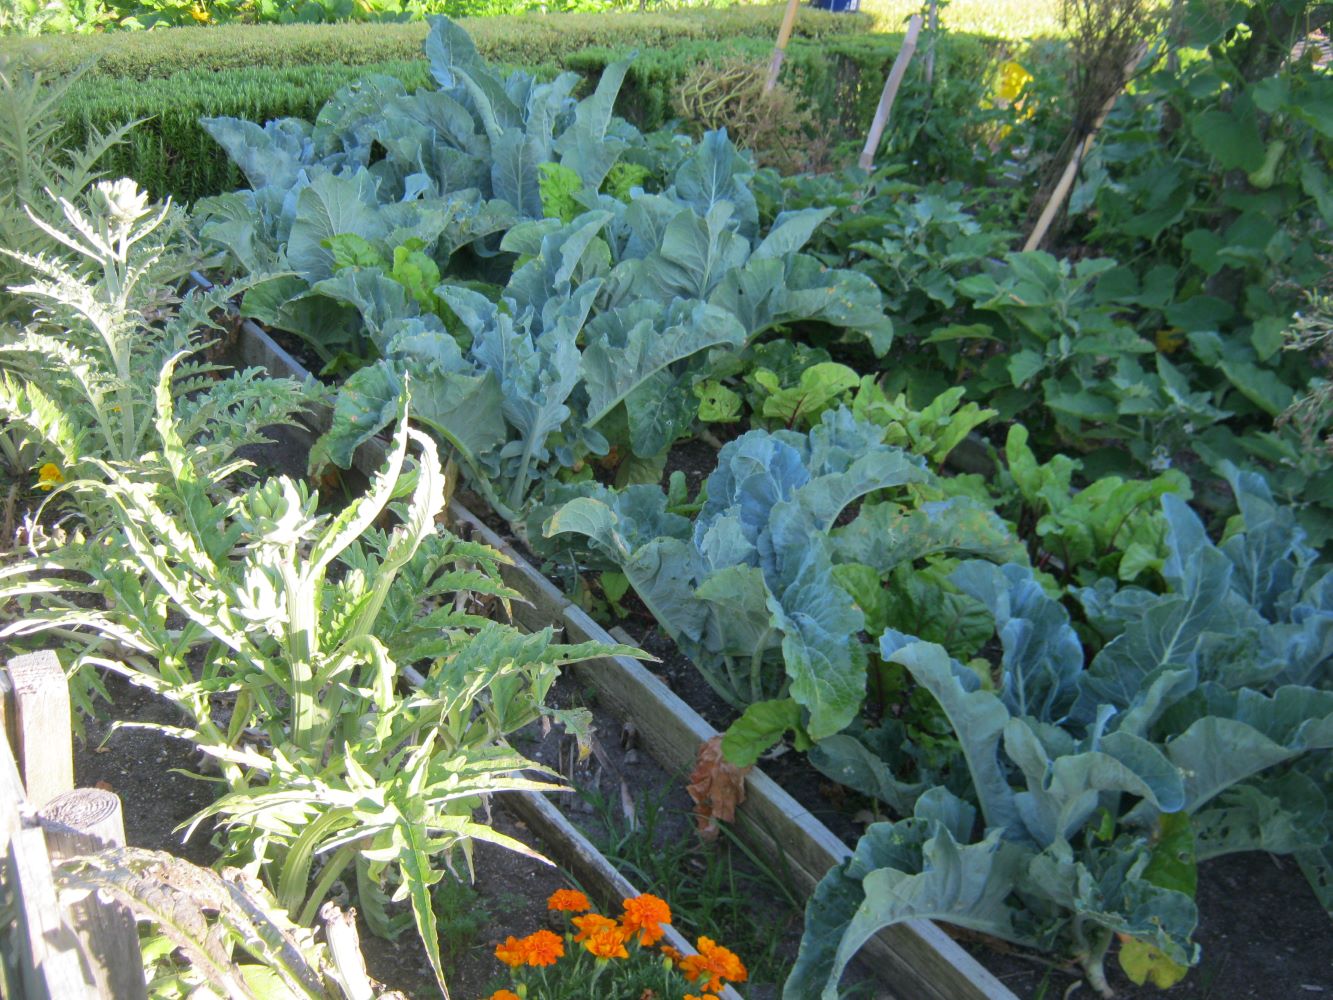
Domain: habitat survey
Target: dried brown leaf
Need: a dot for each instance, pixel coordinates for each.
(717, 788)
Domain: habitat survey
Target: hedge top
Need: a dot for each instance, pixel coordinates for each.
(525, 38)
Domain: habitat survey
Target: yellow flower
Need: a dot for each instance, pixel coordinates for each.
(1013, 78)
(200, 14)
(49, 477)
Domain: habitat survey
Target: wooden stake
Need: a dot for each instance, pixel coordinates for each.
(891, 86)
(780, 51)
(1061, 192)
(85, 821)
(41, 716)
(934, 24)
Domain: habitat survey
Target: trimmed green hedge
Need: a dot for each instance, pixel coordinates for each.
(521, 40)
(169, 154)
(843, 75)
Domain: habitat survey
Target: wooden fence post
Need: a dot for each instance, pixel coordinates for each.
(890, 93)
(48, 953)
(84, 821)
(41, 721)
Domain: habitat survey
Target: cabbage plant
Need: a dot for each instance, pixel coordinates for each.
(1096, 789)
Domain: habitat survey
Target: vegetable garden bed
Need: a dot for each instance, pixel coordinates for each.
(1062, 688)
(913, 960)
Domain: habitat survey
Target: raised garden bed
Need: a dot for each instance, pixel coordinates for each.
(914, 959)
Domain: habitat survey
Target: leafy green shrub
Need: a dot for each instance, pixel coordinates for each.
(1212, 184)
(309, 622)
(32, 163)
(78, 379)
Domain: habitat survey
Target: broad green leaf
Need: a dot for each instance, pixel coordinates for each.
(761, 726)
(717, 403)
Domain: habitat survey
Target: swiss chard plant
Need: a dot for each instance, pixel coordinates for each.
(1094, 790)
(288, 639)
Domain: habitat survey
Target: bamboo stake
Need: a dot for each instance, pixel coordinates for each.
(934, 23)
(780, 51)
(886, 99)
(1081, 150)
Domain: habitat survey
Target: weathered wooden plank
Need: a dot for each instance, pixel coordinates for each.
(13, 802)
(48, 952)
(84, 821)
(578, 855)
(42, 723)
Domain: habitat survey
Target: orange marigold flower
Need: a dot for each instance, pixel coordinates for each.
(672, 953)
(608, 942)
(542, 948)
(512, 952)
(568, 901)
(717, 962)
(706, 996)
(591, 923)
(645, 915)
(504, 995)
